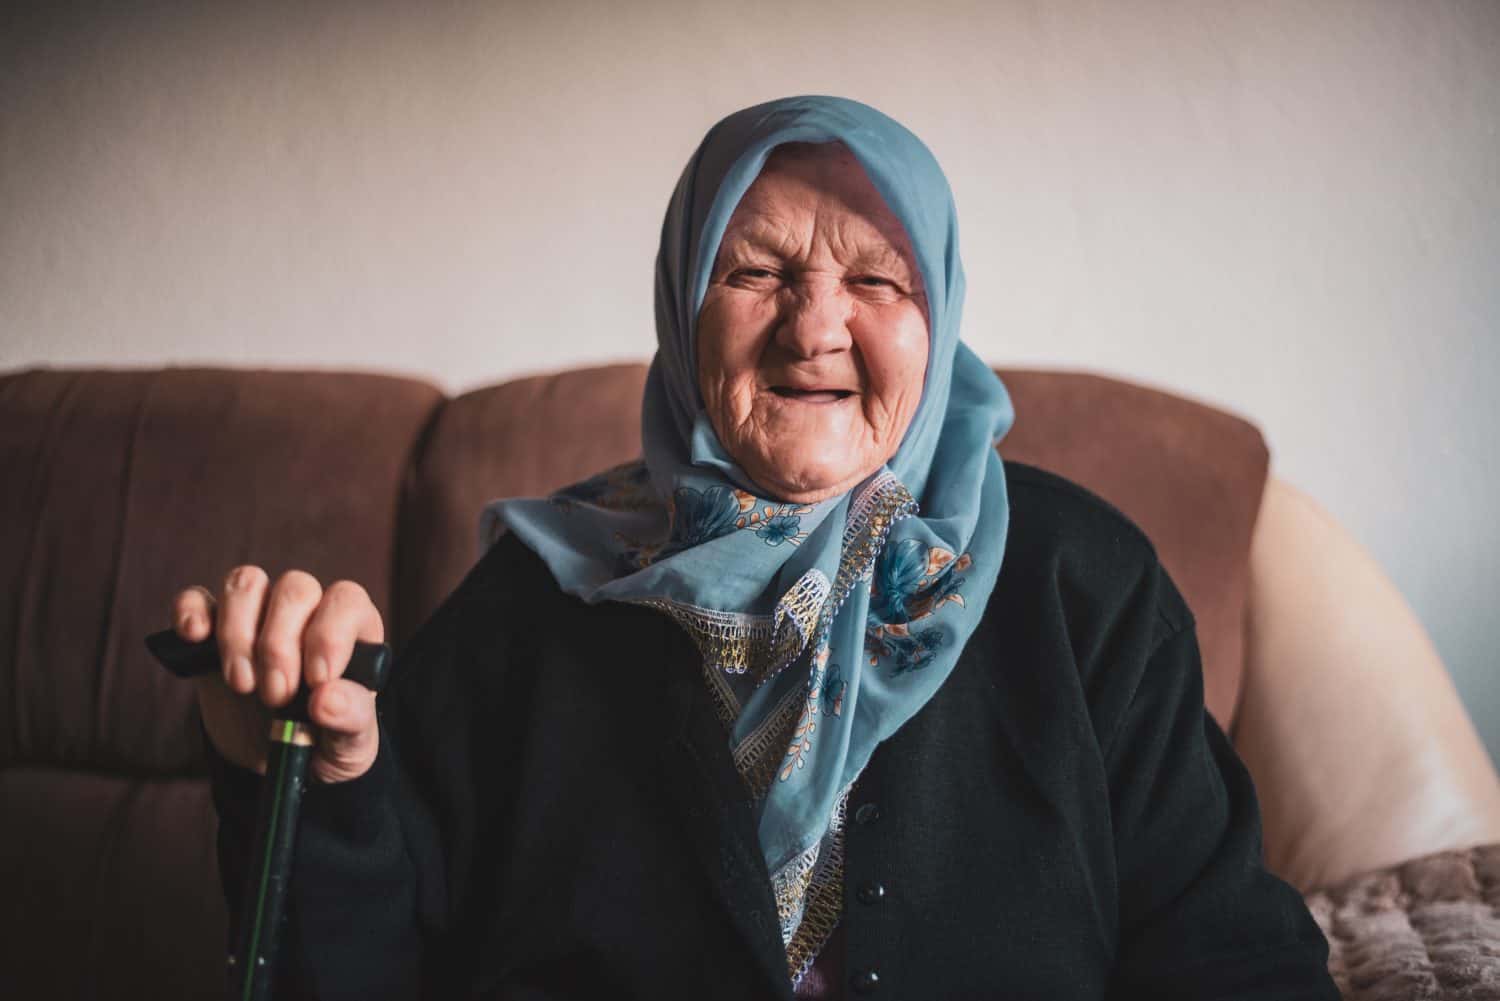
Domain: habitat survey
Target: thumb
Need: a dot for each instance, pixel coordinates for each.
(348, 732)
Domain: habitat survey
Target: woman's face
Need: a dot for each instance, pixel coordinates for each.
(812, 339)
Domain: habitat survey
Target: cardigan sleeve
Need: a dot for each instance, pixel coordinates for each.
(1200, 915)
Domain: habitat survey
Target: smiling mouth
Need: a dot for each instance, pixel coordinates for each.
(812, 395)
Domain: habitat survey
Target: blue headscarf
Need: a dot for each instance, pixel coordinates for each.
(823, 627)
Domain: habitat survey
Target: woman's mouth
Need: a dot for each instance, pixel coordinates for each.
(812, 395)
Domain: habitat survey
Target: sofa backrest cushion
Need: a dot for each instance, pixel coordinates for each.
(520, 438)
(124, 486)
(1189, 474)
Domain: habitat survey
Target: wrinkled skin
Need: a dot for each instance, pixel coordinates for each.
(813, 337)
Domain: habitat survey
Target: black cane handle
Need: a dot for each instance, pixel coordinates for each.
(369, 665)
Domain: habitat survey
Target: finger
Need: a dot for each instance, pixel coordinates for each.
(239, 621)
(348, 734)
(237, 735)
(345, 614)
(341, 709)
(193, 612)
(278, 648)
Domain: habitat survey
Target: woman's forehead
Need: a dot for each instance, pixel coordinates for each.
(785, 153)
(804, 184)
(825, 171)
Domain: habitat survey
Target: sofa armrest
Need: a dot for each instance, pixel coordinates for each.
(1362, 753)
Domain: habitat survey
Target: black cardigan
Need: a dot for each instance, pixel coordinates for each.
(554, 812)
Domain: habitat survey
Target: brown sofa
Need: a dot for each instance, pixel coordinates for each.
(119, 487)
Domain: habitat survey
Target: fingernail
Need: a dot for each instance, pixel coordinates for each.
(185, 624)
(244, 675)
(317, 671)
(333, 703)
(275, 687)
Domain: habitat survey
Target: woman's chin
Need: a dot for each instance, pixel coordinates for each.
(807, 483)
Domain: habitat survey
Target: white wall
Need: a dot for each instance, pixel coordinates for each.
(1291, 208)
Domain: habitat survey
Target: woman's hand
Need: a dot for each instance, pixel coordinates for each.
(270, 639)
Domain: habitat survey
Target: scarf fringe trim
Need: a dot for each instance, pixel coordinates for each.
(820, 905)
(760, 646)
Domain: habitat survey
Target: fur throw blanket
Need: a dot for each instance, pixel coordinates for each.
(1428, 928)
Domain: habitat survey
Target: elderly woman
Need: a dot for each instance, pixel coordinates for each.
(820, 696)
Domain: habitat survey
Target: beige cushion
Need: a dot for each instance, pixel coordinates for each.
(1362, 753)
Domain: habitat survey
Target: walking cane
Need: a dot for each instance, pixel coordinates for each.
(252, 965)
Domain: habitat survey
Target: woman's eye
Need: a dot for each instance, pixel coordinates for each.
(874, 281)
(752, 275)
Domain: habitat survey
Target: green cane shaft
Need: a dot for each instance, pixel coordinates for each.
(253, 965)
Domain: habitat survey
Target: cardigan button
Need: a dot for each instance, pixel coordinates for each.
(871, 893)
(865, 982)
(867, 814)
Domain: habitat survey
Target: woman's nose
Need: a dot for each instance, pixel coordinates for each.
(815, 320)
